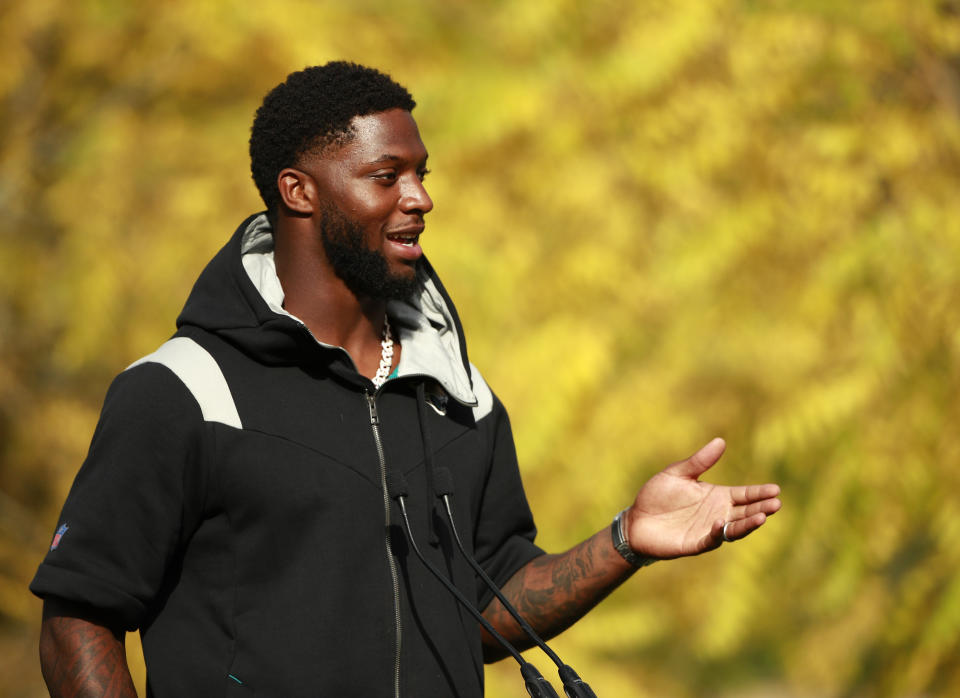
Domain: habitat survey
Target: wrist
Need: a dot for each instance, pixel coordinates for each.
(621, 543)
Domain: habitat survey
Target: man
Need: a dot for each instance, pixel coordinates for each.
(241, 501)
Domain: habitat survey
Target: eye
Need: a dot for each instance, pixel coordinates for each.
(385, 176)
(422, 174)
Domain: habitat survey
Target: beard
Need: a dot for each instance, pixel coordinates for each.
(364, 271)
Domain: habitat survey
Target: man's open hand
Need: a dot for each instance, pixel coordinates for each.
(675, 514)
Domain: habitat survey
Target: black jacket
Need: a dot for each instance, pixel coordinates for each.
(231, 506)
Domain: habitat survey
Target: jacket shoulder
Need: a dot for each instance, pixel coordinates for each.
(199, 373)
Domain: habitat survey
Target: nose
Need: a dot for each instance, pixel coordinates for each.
(414, 197)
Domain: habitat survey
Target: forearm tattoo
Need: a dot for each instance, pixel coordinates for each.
(81, 659)
(554, 591)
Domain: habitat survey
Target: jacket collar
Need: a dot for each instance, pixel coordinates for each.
(427, 324)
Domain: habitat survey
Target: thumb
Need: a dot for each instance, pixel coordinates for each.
(700, 462)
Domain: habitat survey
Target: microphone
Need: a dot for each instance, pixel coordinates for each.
(573, 685)
(536, 685)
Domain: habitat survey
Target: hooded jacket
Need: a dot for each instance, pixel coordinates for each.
(238, 502)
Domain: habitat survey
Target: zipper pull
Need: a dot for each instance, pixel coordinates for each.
(372, 403)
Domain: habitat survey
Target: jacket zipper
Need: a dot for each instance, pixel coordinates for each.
(375, 426)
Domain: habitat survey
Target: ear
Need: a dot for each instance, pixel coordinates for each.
(298, 190)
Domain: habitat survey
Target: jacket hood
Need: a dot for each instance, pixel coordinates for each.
(239, 298)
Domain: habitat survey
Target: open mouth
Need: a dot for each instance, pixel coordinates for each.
(408, 239)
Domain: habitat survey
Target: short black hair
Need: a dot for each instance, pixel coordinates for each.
(311, 109)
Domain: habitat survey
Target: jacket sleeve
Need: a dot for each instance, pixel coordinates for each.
(134, 501)
(505, 531)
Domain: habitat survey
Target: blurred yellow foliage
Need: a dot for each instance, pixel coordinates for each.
(661, 221)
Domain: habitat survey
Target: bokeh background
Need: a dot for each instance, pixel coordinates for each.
(661, 221)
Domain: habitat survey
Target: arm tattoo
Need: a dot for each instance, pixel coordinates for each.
(80, 658)
(554, 591)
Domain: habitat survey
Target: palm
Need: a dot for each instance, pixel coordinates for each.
(675, 514)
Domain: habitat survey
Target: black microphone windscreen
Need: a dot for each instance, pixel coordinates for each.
(396, 484)
(442, 481)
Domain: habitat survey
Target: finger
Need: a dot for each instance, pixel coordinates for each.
(743, 527)
(766, 506)
(714, 539)
(716, 531)
(745, 494)
(701, 461)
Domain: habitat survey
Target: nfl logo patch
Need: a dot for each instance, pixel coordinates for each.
(58, 536)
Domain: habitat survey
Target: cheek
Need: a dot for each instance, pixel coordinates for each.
(373, 216)
(367, 204)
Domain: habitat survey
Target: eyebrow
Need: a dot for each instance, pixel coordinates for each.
(392, 158)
